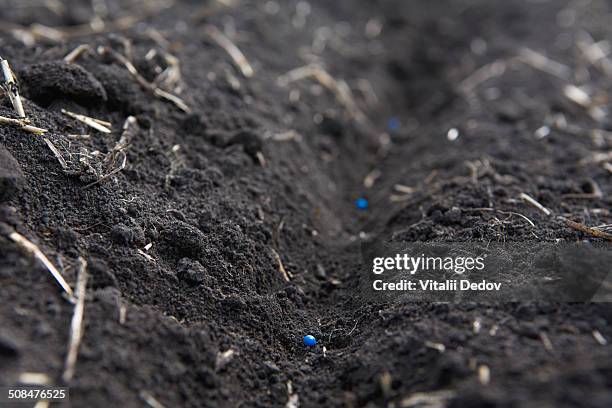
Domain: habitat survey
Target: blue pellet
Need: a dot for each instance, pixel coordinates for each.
(362, 203)
(394, 124)
(310, 341)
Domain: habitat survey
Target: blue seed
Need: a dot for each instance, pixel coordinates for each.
(362, 203)
(310, 341)
(394, 124)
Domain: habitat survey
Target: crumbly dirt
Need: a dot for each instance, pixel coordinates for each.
(262, 173)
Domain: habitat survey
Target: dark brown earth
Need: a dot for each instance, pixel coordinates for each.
(220, 193)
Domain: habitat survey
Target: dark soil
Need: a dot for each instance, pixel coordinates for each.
(220, 196)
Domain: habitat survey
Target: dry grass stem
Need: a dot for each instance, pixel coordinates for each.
(484, 374)
(599, 338)
(23, 124)
(501, 212)
(596, 53)
(113, 172)
(483, 74)
(595, 193)
(371, 177)
(234, 52)
(293, 400)
(223, 359)
(534, 203)
(151, 87)
(76, 53)
(286, 275)
(32, 248)
(30, 378)
(76, 326)
(546, 342)
(11, 88)
(42, 404)
(435, 399)
(584, 100)
(541, 62)
(97, 124)
(287, 136)
(150, 400)
(57, 154)
(339, 88)
(441, 348)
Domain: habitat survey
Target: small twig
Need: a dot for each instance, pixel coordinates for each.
(588, 230)
(30, 247)
(534, 203)
(12, 88)
(91, 122)
(76, 326)
(22, 124)
(234, 52)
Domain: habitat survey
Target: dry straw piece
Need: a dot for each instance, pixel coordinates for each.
(158, 92)
(22, 124)
(234, 52)
(12, 88)
(76, 326)
(30, 247)
(99, 125)
(339, 88)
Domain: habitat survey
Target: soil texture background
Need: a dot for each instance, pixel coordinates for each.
(221, 228)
